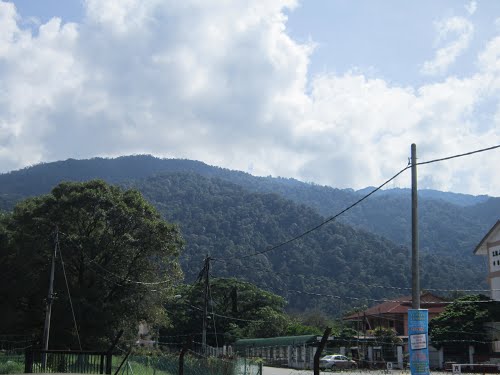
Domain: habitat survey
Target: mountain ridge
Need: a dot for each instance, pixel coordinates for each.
(386, 213)
(444, 226)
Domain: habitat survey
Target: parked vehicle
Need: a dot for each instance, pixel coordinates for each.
(336, 362)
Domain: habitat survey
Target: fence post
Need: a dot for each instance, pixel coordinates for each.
(109, 354)
(109, 360)
(28, 360)
(124, 359)
(101, 364)
(321, 346)
(187, 345)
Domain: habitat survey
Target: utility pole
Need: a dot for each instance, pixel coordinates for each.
(364, 337)
(415, 272)
(205, 305)
(50, 299)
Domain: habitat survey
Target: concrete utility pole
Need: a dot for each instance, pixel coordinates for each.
(50, 299)
(415, 271)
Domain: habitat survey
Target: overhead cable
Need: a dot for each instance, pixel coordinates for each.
(228, 317)
(386, 300)
(365, 284)
(122, 278)
(274, 247)
(67, 288)
(459, 155)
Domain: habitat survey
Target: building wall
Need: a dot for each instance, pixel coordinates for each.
(495, 288)
(493, 246)
(494, 256)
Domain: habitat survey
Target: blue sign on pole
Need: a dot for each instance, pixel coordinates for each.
(418, 339)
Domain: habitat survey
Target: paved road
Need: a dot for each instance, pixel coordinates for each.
(286, 371)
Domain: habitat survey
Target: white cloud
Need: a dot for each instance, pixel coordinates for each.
(489, 58)
(222, 82)
(462, 30)
(471, 7)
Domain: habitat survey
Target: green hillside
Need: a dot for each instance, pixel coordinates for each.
(444, 226)
(230, 214)
(225, 221)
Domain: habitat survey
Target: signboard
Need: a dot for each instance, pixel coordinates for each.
(418, 341)
(389, 367)
(418, 322)
(457, 369)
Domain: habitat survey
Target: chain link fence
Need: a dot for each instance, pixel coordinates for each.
(161, 364)
(194, 364)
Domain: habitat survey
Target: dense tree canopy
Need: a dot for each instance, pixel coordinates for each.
(229, 214)
(343, 264)
(462, 322)
(116, 250)
(237, 309)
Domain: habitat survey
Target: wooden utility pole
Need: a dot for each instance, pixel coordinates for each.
(415, 272)
(321, 346)
(50, 299)
(205, 304)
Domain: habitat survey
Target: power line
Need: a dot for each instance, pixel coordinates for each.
(384, 300)
(122, 278)
(324, 222)
(213, 313)
(127, 279)
(459, 155)
(67, 288)
(323, 278)
(362, 199)
(227, 317)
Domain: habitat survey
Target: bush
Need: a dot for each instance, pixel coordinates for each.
(11, 367)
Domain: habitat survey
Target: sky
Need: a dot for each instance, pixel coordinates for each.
(332, 92)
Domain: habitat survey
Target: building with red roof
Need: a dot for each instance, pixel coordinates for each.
(394, 314)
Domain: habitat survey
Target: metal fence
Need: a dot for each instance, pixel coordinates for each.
(100, 363)
(58, 361)
(194, 364)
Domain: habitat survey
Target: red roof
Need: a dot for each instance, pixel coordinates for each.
(401, 305)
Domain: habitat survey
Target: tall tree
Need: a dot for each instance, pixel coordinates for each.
(120, 258)
(237, 309)
(462, 322)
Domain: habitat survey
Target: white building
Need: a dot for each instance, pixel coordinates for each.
(490, 246)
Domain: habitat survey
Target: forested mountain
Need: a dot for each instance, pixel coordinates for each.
(335, 268)
(454, 198)
(229, 214)
(228, 223)
(449, 223)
